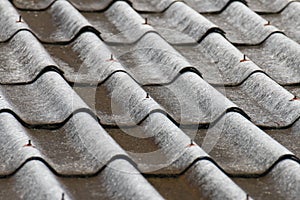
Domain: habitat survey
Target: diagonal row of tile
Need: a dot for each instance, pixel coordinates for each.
(113, 59)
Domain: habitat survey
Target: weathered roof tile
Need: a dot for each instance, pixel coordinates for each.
(61, 22)
(181, 24)
(242, 25)
(49, 100)
(267, 103)
(278, 56)
(287, 20)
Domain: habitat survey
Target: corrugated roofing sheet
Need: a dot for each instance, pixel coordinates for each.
(149, 99)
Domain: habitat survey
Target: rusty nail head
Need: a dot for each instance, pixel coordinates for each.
(20, 19)
(244, 58)
(268, 23)
(294, 98)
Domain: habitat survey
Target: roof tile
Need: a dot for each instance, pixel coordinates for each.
(242, 25)
(48, 101)
(9, 21)
(181, 24)
(210, 6)
(287, 20)
(264, 6)
(278, 56)
(267, 103)
(25, 60)
(143, 85)
(239, 147)
(60, 23)
(218, 61)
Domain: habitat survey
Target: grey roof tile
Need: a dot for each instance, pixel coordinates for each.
(151, 60)
(137, 59)
(214, 185)
(288, 20)
(23, 58)
(80, 147)
(94, 5)
(90, 62)
(218, 61)
(33, 181)
(278, 56)
(128, 101)
(91, 5)
(171, 153)
(32, 4)
(175, 156)
(267, 103)
(190, 100)
(119, 180)
(242, 25)
(282, 182)
(48, 101)
(9, 21)
(285, 136)
(152, 6)
(265, 6)
(120, 23)
(61, 22)
(181, 24)
(239, 147)
(210, 6)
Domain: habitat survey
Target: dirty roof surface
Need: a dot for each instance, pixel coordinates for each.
(149, 99)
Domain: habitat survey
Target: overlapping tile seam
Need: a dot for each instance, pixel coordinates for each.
(221, 6)
(277, 8)
(203, 36)
(103, 6)
(39, 80)
(247, 77)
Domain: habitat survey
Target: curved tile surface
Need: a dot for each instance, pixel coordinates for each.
(242, 25)
(218, 61)
(278, 56)
(49, 100)
(267, 103)
(265, 6)
(181, 24)
(151, 60)
(22, 59)
(210, 6)
(43, 184)
(86, 60)
(60, 23)
(119, 24)
(32, 4)
(281, 183)
(288, 20)
(285, 136)
(214, 185)
(94, 5)
(190, 100)
(80, 147)
(9, 21)
(240, 147)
